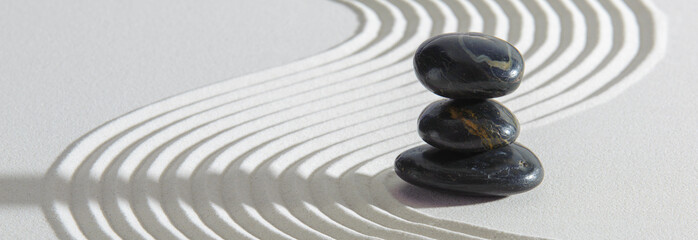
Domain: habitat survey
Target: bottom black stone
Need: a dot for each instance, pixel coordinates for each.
(499, 172)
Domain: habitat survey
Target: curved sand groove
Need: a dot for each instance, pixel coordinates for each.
(128, 165)
(626, 47)
(477, 23)
(61, 171)
(585, 58)
(345, 217)
(397, 204)
(249, 164)
(295, 164)
(362, 187)
(397, 88)
(396, 106)
(651, 36)
(393, 203)
(537, 30)
(353, 197)
(386, 182)
(462, 19)
(550, 41)
(300, 121)
(243, 164)
(501, 28)
(422, 231)
(489, 20)
(327, 183)
(156, 171)
(514, 22)
(371, 170)
(270, 189)
(229, 161)
(222, 224)
(572, 38)
(310, 167)
(315, 123)
(274, 214)
(387, 224)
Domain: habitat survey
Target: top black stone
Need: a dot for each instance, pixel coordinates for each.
(468, 66)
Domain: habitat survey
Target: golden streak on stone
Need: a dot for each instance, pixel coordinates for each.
(487, 140)
(483, 58)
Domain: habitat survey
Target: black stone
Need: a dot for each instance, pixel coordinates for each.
(468, 66)
(500, 172)
(468, 125)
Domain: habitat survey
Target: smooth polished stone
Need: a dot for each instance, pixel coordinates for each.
(501, 172)
(468, 66)
(467, 125)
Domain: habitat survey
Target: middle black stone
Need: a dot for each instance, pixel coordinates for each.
(468, 125)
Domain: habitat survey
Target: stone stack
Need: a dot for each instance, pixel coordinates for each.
(471, 138)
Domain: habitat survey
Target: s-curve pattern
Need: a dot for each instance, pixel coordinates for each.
(305, 150)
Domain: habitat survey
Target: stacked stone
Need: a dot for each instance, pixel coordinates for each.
(471, 148)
